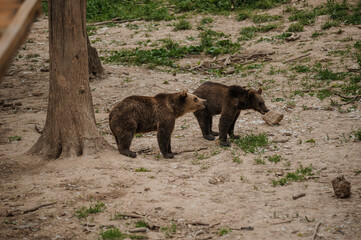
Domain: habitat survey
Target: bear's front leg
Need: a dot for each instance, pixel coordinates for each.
(164, 133)
(231, 128)
(225, 123)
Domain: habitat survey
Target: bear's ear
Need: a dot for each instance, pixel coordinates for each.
(251, 93)
(259, 91)
(184, 93)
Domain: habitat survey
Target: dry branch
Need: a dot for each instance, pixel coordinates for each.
(193, 150)
(114, 20)
(297, 58)
(298, 196)
(315, 233)
(38, 207)
(197, 223)
(276, 223)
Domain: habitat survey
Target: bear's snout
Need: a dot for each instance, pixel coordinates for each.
(204, 103)
(264, 111)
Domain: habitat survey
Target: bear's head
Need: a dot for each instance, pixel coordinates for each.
(191, 102)
(256, 102)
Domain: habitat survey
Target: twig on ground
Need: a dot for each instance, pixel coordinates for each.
(38, 207)
(131, 215)
(193, 150)
(276, 223)
(197, 223)
(297, 58)
(315, 233)
(298, 196)
(243, 228)
(114, 20)
(352, 100)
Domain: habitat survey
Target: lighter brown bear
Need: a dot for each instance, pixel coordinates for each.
(227, 101)
(141, 114)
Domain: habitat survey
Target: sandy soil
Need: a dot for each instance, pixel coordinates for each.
(199, 192)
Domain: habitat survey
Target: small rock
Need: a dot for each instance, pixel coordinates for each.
(212, 181)
(354, 68)
(140, 229)
(279, 173)
(230, 70)
(272, 117)
(341, 187)
(293, 37)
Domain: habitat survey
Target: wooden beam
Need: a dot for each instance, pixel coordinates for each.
(16, 32)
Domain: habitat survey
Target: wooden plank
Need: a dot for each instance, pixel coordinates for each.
(16, 32)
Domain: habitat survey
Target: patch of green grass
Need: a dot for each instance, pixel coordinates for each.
(316, 34)
(261, 18)
(15, 138)
(102, 10)
(243, 15)
(141, 223)
(112, 234)
(323, 93)
(207, 20)
(142, 170)
(224, 231)
(275, 158)
(138, 135)
(116, 234)
(330, 24)
(304, 17)
(252, 143)
(283, 36)
(296, 176)
(301, 68)
(295, 27)
(250, 32)
(84, 212)
(357, 45)
(327, 74)
(211, 44)
(223, 6)
(259, 161)
(182, 25)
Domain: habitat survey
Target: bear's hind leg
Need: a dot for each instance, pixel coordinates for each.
(124, 139)
(204, 121)
(210, 127)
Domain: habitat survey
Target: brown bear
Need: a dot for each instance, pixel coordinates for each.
(141, 114)
(227, 101)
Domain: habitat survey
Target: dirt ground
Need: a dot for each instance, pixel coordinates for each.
(202, 190)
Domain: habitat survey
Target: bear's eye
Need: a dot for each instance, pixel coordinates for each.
(260, 104)
(195, 99)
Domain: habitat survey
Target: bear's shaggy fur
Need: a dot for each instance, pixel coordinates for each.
(141, 114)
(227, 101)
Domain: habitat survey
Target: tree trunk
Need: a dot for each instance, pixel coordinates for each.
(95, 66)
(70, 122)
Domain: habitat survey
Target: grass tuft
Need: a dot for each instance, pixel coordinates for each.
(252, 143)
(296, 176)
(84, 212)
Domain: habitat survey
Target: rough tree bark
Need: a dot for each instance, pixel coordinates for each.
(70, 127)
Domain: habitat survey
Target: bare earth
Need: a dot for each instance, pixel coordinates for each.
(199, 192)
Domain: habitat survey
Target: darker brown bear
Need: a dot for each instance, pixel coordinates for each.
(227, 101)
(141, 114)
